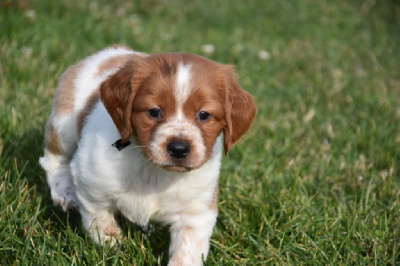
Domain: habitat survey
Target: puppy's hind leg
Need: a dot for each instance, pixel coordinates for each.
(59, 180)
(56, 164)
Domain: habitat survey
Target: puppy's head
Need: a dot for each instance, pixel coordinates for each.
(176, 105)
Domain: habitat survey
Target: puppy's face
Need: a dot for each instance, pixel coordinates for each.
(176, 105)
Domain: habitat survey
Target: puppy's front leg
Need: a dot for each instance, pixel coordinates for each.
(190, 243)
(101, 225)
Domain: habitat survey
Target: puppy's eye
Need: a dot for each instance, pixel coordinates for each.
(204, 116)
(155, 113)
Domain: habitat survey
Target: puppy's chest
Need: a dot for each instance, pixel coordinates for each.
(161, 200)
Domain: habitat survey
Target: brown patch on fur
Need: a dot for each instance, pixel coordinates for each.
(214, 204)
(112, 63)
(240, 110)
(65, 93)
(119, 90)
(112, 230)
(90, 103)
(168, 68)
(52, 140)
(118, 46)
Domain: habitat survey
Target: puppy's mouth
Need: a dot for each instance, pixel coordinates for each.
(177, 168)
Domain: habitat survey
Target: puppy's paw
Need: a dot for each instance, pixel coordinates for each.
(102, 234)
(59, 179)
(63, 195)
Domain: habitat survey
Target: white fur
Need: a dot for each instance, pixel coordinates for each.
(183, 87)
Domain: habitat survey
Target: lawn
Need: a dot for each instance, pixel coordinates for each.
(315, 181)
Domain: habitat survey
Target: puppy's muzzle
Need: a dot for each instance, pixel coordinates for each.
(178, 149)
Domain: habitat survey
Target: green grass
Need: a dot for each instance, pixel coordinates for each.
(316, 180)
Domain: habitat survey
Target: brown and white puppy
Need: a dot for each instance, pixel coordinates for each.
(141, 134)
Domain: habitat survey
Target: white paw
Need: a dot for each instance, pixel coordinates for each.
(107, 231)
(63, 195)
(60, 181)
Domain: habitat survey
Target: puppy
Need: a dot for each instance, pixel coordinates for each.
(141, 134)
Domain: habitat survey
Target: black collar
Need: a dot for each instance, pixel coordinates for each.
(119, 145)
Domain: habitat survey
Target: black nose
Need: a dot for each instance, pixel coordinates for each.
(178, 149)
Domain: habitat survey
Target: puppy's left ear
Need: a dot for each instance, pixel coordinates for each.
(240, 110)
(118, 92)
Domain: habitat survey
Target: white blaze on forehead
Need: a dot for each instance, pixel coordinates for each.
(182, 87)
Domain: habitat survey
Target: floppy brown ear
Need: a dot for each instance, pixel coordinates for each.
(118, 92)
(240, 111)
